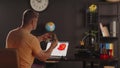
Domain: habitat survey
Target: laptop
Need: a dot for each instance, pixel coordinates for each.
(59, 52)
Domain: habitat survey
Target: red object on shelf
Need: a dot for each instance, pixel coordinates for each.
(110, 53)
(104, 56)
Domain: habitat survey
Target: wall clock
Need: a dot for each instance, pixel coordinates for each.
(39, 5)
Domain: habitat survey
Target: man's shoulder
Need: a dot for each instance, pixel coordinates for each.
(33, 37)
(13, 30)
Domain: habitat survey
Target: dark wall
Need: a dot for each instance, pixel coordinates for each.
(68, 16)
(10, 16)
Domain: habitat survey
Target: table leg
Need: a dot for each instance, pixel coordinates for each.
(92, 64)
(84, 64)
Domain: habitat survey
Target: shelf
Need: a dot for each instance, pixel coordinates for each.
(107, 12)
(108, 39)
(107, 3)
(107, 15)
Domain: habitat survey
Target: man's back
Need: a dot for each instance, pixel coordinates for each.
(23, 41)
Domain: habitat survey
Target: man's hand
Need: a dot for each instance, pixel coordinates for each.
(54, 41)
(44, 37)
(47, 37)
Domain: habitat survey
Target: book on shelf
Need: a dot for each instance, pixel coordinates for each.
(107, 48)
(104, 30)
(113, 28)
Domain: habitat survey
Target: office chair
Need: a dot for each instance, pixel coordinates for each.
(8, 58)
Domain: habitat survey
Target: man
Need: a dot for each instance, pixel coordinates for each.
(27, 45)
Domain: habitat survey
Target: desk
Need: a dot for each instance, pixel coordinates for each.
(79, 63)
(102, 63)
(91, 61)
(65, 64)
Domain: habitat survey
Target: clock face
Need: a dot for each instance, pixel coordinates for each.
(39, 5)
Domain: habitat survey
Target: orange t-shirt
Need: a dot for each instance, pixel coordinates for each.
(26, 44)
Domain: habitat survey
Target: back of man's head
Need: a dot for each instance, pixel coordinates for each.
(28, 15)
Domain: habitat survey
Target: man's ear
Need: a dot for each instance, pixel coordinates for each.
(32, 22)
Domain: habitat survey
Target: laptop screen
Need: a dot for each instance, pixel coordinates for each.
(60, 49)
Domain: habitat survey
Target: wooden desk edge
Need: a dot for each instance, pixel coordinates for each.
(51, 61)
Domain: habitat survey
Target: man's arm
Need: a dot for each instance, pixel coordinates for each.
(44, 55)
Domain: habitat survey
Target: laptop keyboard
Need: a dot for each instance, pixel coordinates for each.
(56, 58)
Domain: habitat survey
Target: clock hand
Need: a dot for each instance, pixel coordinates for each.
(38, 1)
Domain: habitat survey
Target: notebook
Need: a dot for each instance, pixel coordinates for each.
(60, 51)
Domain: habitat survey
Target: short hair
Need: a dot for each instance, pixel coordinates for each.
(29, 14)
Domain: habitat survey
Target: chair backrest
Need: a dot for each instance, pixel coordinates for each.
(8, 58)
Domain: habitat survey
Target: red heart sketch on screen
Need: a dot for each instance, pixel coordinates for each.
(62, 47)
